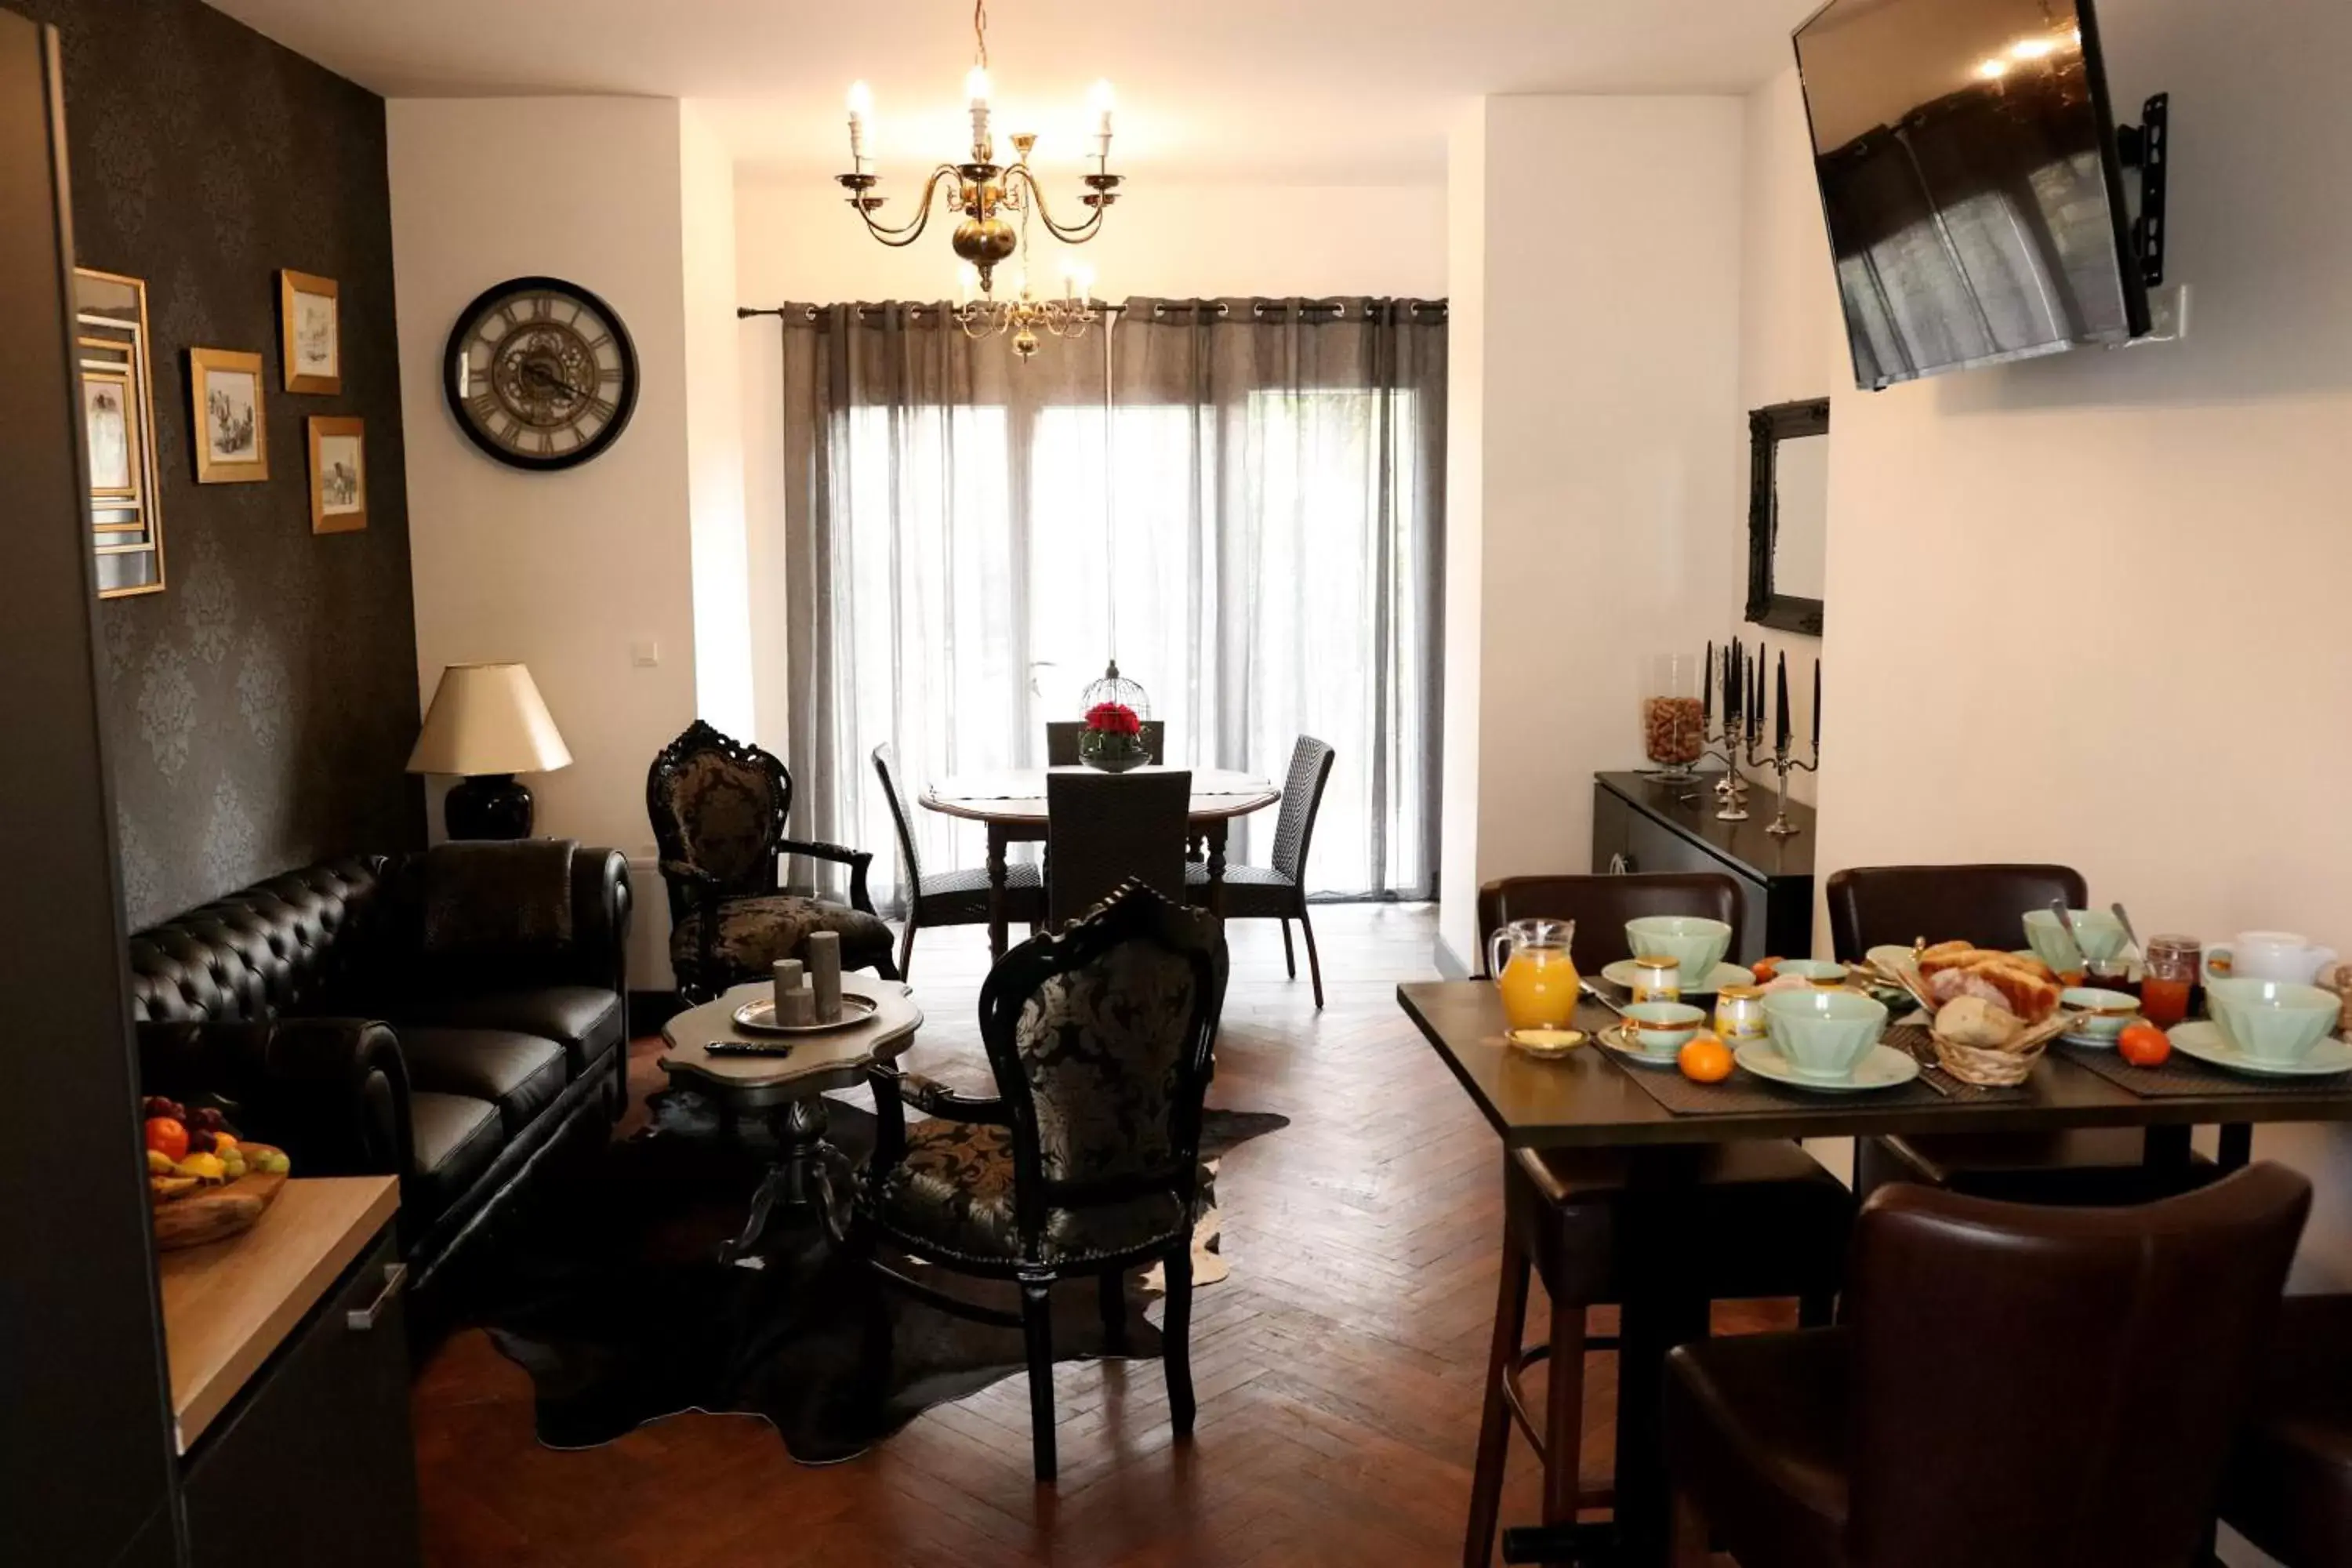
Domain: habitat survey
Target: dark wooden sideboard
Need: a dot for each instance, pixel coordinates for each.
(1641, 825)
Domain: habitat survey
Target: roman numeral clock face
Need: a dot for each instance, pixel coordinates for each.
(540, 374)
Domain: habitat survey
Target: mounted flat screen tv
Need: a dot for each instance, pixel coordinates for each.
(1972, 181)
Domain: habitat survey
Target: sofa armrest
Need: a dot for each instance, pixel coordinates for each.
(602, 907)
(332, 1092)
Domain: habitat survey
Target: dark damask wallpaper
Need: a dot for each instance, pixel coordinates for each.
(264, 703)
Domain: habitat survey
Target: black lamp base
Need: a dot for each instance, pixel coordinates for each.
(488, 805)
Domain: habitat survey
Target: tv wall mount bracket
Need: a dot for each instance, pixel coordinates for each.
(2147, 147)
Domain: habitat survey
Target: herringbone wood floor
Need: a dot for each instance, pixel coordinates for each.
(1337, 1369)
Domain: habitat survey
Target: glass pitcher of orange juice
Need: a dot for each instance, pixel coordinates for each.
(1528, 959)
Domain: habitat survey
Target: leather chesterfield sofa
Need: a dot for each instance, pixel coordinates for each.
(452, 1017)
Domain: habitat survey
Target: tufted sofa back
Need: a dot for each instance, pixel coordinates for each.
(289, 946)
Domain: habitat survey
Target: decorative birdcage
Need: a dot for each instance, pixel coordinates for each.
(1115, 688)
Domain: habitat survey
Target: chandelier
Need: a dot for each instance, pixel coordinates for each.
(982, 189)
(1021, 316)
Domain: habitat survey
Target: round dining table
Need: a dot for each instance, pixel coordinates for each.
(1011, 802)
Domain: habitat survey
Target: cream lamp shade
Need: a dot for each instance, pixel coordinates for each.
(488, 719)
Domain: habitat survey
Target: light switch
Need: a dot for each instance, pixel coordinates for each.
(645, 653)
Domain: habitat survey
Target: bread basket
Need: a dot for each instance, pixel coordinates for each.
(1987, 1067)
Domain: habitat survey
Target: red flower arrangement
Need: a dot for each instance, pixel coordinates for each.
(1113, 719)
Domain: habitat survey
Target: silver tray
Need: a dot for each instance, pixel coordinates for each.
(760, 1018)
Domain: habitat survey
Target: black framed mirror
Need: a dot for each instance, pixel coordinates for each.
(1788, 514)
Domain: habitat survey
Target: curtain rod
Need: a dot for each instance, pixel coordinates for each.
(1261, 307)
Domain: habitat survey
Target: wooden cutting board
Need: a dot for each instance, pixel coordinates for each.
(215, 1213)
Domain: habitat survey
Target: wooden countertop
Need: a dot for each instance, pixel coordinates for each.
(227, 1306)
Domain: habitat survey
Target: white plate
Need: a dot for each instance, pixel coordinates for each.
(2204, 1039)
(1614, 1037)
(2090, 1042)
(1623, 974)
(1884, 1068)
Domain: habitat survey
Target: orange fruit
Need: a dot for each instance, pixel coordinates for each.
(1704, 1059)
(2144, 1045)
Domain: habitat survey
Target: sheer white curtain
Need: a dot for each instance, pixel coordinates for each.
(1253, 526)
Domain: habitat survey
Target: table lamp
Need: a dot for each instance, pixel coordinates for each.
(487, 722)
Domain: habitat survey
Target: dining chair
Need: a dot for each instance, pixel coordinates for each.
(1102, 829)
(1761, 1218)
(1061, 741)
(2289, 1487)
(1874, 906)
(719, 808)
(957, 898)
(1278, 893)
(2011, 1383)
(1087, 1162)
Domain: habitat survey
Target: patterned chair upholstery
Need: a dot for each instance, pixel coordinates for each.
(1278, 893)
(1087, 1161)
(719, 808)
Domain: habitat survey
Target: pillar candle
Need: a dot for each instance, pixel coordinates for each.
(787, 975)
(824, 973)
(796, 1009)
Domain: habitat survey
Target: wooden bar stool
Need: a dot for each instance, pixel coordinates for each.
(1755, 1220)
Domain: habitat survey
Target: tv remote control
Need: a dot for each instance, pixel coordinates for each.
(747, 1048)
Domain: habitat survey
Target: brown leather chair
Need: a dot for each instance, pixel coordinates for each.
(2289, 1490)
(1762, 1220)
(2035, 1387)
(1872, 906)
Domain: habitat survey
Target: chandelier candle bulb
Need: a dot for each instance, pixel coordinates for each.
(861, 104)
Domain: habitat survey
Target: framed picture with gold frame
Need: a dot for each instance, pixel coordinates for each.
(338, 474)
(232, 424)
(117, 408)
(310, 332)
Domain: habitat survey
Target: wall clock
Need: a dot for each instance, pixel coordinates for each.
(540, 374)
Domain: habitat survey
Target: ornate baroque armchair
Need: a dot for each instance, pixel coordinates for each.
(718, 806)
(1087, 1162)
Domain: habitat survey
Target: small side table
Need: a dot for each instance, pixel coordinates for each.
(788, 1090)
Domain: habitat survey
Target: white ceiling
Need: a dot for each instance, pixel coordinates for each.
(1352, 90)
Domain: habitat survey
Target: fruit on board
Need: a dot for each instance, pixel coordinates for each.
(167, 1136)
(1704, 1058)
(204, 1167)
(157, 1105)
(162, 1188)
(158, 1163)
(2144, 1045)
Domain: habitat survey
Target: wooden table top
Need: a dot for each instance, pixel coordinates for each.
(228, 1305)
(1017, 795)
(1587, 1100)
(837, 1059)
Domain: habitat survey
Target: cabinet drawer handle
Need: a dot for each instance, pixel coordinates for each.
(395, 1275)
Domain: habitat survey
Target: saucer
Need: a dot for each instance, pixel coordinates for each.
(1621, 975)
(1614, 1037)
(1884, 1068)
(2090, 1042)
(1545, 1045)
(2204, 1039)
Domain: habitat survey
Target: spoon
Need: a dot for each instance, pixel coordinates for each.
(2067, 923)
(2129, 935)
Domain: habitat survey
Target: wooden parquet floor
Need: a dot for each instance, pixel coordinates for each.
(1337, 1370)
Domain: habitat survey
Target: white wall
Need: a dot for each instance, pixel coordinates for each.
(1607, 372)
(1791, 344)
(563, 571)
(1465, 527)
(797, 241)
(714, 428)
(2093, 609)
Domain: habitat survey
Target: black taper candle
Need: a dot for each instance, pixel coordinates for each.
(1781, 704)
(1707, 691)
(1756, 699)
(1817, 707)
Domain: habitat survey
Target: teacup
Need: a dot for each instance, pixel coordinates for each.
(2271, 1020)
(1697, 944)
(1821, 972)
(2102, 939)
(2105, 1014)
(1823, 1034)
(2267, 955)
(1661, 1028)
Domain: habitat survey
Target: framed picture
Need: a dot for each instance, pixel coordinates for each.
(337, 475)
(232, 429)
(310, 327)
(118, 418)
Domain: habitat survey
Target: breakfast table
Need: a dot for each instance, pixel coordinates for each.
(1589, 1098)
(1011, 802)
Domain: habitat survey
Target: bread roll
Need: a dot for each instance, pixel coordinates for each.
(1973, 1021)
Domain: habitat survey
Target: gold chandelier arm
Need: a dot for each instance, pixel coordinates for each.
(906, 233)
(1069, 234)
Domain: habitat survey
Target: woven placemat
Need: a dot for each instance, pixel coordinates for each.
(2186, 1078)
(1745, 1094)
